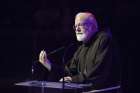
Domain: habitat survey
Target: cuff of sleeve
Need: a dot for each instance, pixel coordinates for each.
(78, 78)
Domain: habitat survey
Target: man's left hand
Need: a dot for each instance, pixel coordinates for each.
(66, 79)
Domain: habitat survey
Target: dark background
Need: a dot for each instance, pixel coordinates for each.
(26, 27)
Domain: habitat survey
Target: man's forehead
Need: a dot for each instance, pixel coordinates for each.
(84, 17)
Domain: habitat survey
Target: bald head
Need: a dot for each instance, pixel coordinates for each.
(85, 26)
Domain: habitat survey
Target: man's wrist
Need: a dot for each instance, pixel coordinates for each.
(47, 64)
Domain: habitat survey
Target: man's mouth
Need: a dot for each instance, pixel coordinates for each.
(79, 33)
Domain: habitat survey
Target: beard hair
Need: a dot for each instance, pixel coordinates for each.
(80, 36)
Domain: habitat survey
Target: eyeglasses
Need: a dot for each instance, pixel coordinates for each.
(83, 25)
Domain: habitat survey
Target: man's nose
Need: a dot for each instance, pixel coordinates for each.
(78, 29)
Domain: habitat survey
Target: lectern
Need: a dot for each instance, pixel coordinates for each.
(52, 87)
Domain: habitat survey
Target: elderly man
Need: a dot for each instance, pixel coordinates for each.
(95, 61)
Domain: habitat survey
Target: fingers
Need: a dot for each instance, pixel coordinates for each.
(42, 56)
(66, 79)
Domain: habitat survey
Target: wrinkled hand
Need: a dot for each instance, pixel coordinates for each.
(42, 56)
(66, 79)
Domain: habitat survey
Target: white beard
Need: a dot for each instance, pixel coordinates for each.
(81, 37)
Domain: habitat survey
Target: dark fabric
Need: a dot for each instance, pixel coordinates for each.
(96, 62)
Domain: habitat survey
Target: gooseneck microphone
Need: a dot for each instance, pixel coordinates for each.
(56, 50)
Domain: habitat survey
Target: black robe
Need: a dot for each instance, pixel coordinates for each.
(96, 62)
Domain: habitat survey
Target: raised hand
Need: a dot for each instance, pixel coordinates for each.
(44, 60)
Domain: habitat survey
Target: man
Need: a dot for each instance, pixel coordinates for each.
(95, 61)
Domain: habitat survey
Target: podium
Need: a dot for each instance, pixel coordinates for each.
(52, 87)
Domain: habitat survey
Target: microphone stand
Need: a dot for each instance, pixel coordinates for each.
(63, 67)
(32, 71)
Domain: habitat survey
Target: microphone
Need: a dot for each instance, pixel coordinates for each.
(56, 50)
(60, 48)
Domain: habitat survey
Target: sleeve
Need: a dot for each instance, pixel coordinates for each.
(71, 66)
(71, 69)
(97, 67)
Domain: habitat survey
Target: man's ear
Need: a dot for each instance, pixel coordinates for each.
(94, 27)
